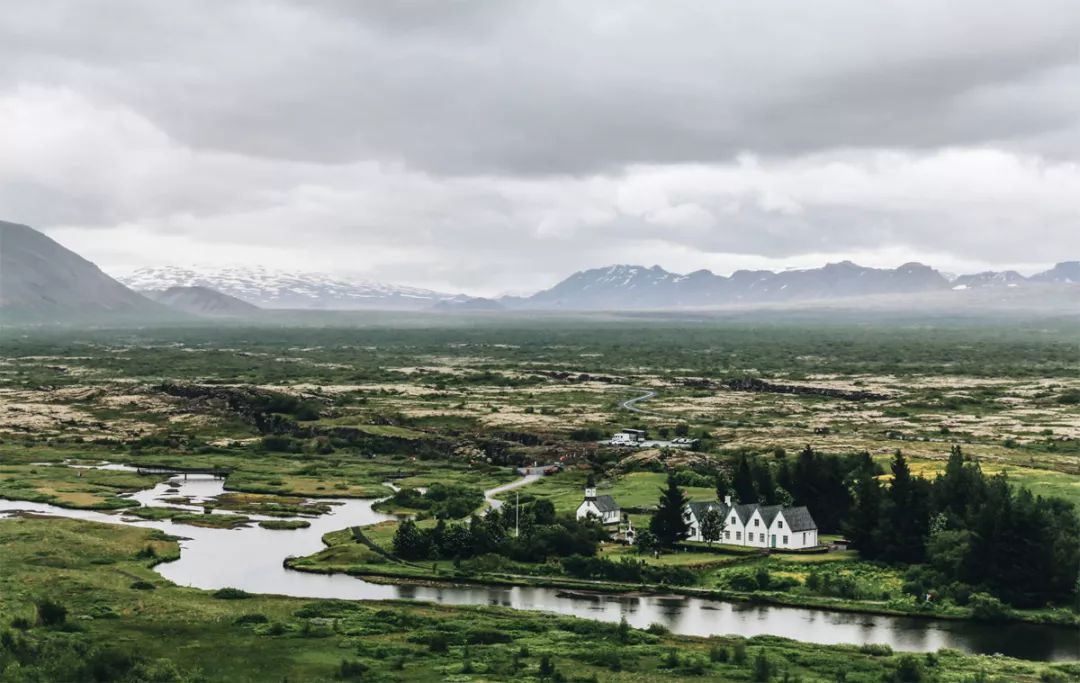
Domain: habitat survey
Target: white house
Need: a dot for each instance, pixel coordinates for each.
(603, 508)
(755, 525)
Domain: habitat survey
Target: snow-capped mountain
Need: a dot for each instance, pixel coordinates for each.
(278, 289)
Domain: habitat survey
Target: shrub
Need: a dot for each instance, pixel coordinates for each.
(231, 594)
(739, 656)
(351, 669)
(720, 654)
(254, 618)
(143, 586)
(988, 608)
(876, 650)
(51, 613)
(909, 670)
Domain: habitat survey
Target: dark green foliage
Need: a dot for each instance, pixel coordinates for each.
(668, 522)
(50, 613)
(763, 668)
(445, 501)
(143, 586)
(626, 570)
(351, 670)
(542, 536)
(231, 594)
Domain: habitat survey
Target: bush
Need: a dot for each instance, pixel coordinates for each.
(51, 613)
(988, 608)
(909, 670)
(351, 669)
(254, 618)
(231, 594)
(720, 654)
(143, 586)
(876, 650)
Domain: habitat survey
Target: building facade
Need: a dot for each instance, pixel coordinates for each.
(603, 508)
(755, 525)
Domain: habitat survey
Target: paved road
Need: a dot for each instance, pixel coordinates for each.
(631, 403)
(490, 494)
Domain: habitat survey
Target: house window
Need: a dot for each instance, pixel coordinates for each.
(804, 537)
(762, 539)
(727, 534)
(779, 524)
(785, 540)
(738, 535)
(733, 519)
(757, 522)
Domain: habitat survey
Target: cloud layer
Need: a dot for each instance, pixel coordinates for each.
(497, 146)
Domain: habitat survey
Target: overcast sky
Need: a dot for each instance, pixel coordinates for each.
(498, 146)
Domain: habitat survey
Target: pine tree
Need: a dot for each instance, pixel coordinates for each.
(743, 481)
(668, 522)
(863, 524)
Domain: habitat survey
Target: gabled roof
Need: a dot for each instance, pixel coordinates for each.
(799, 519)
(698, 508)
(606, 504)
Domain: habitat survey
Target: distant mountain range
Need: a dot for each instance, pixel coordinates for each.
(278, 289)
(40, 280)
(627, 287)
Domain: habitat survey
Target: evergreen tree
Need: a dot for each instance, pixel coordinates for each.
(763, 482)
(865, 518)
(743, 481)
(410, 542)
(723, 486)
(668, 522)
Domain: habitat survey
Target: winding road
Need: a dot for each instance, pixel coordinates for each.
(631, 403)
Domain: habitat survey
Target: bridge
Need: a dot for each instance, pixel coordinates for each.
(216, 472)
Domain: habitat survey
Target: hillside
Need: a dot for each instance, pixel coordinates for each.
(40, 280)
(203, 301)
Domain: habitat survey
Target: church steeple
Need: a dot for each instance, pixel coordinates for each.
(590, 488)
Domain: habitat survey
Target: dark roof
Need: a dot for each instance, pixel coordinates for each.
(606, 504)
(698, 508)
(769, 512)
(799, 519)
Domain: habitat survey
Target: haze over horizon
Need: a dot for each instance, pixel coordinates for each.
(489, 148)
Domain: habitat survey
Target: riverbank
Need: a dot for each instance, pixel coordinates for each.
(116, 604)
(372, 561)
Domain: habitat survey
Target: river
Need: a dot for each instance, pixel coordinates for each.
(251, 558)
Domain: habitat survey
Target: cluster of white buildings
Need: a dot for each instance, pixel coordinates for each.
(751, 524)
(756, 525)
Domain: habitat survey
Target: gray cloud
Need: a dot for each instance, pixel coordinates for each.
(544, 136)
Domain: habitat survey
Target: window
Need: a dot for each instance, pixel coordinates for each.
(779, 524)
(733, 519)
(785, 540)
(738, 535)
(727, 534)
(762, 539)
(757, 522)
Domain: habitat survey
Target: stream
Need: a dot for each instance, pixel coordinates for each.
(250, 558)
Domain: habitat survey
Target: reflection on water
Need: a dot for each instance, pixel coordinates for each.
(252, 558)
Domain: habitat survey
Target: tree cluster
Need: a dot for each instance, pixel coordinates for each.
(974, 533)
(542, 535)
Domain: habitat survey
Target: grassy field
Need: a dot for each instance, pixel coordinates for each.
(438, 401)
(122, 615)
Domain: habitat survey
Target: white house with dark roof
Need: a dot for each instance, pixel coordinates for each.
(603, 508)
(755, 525)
